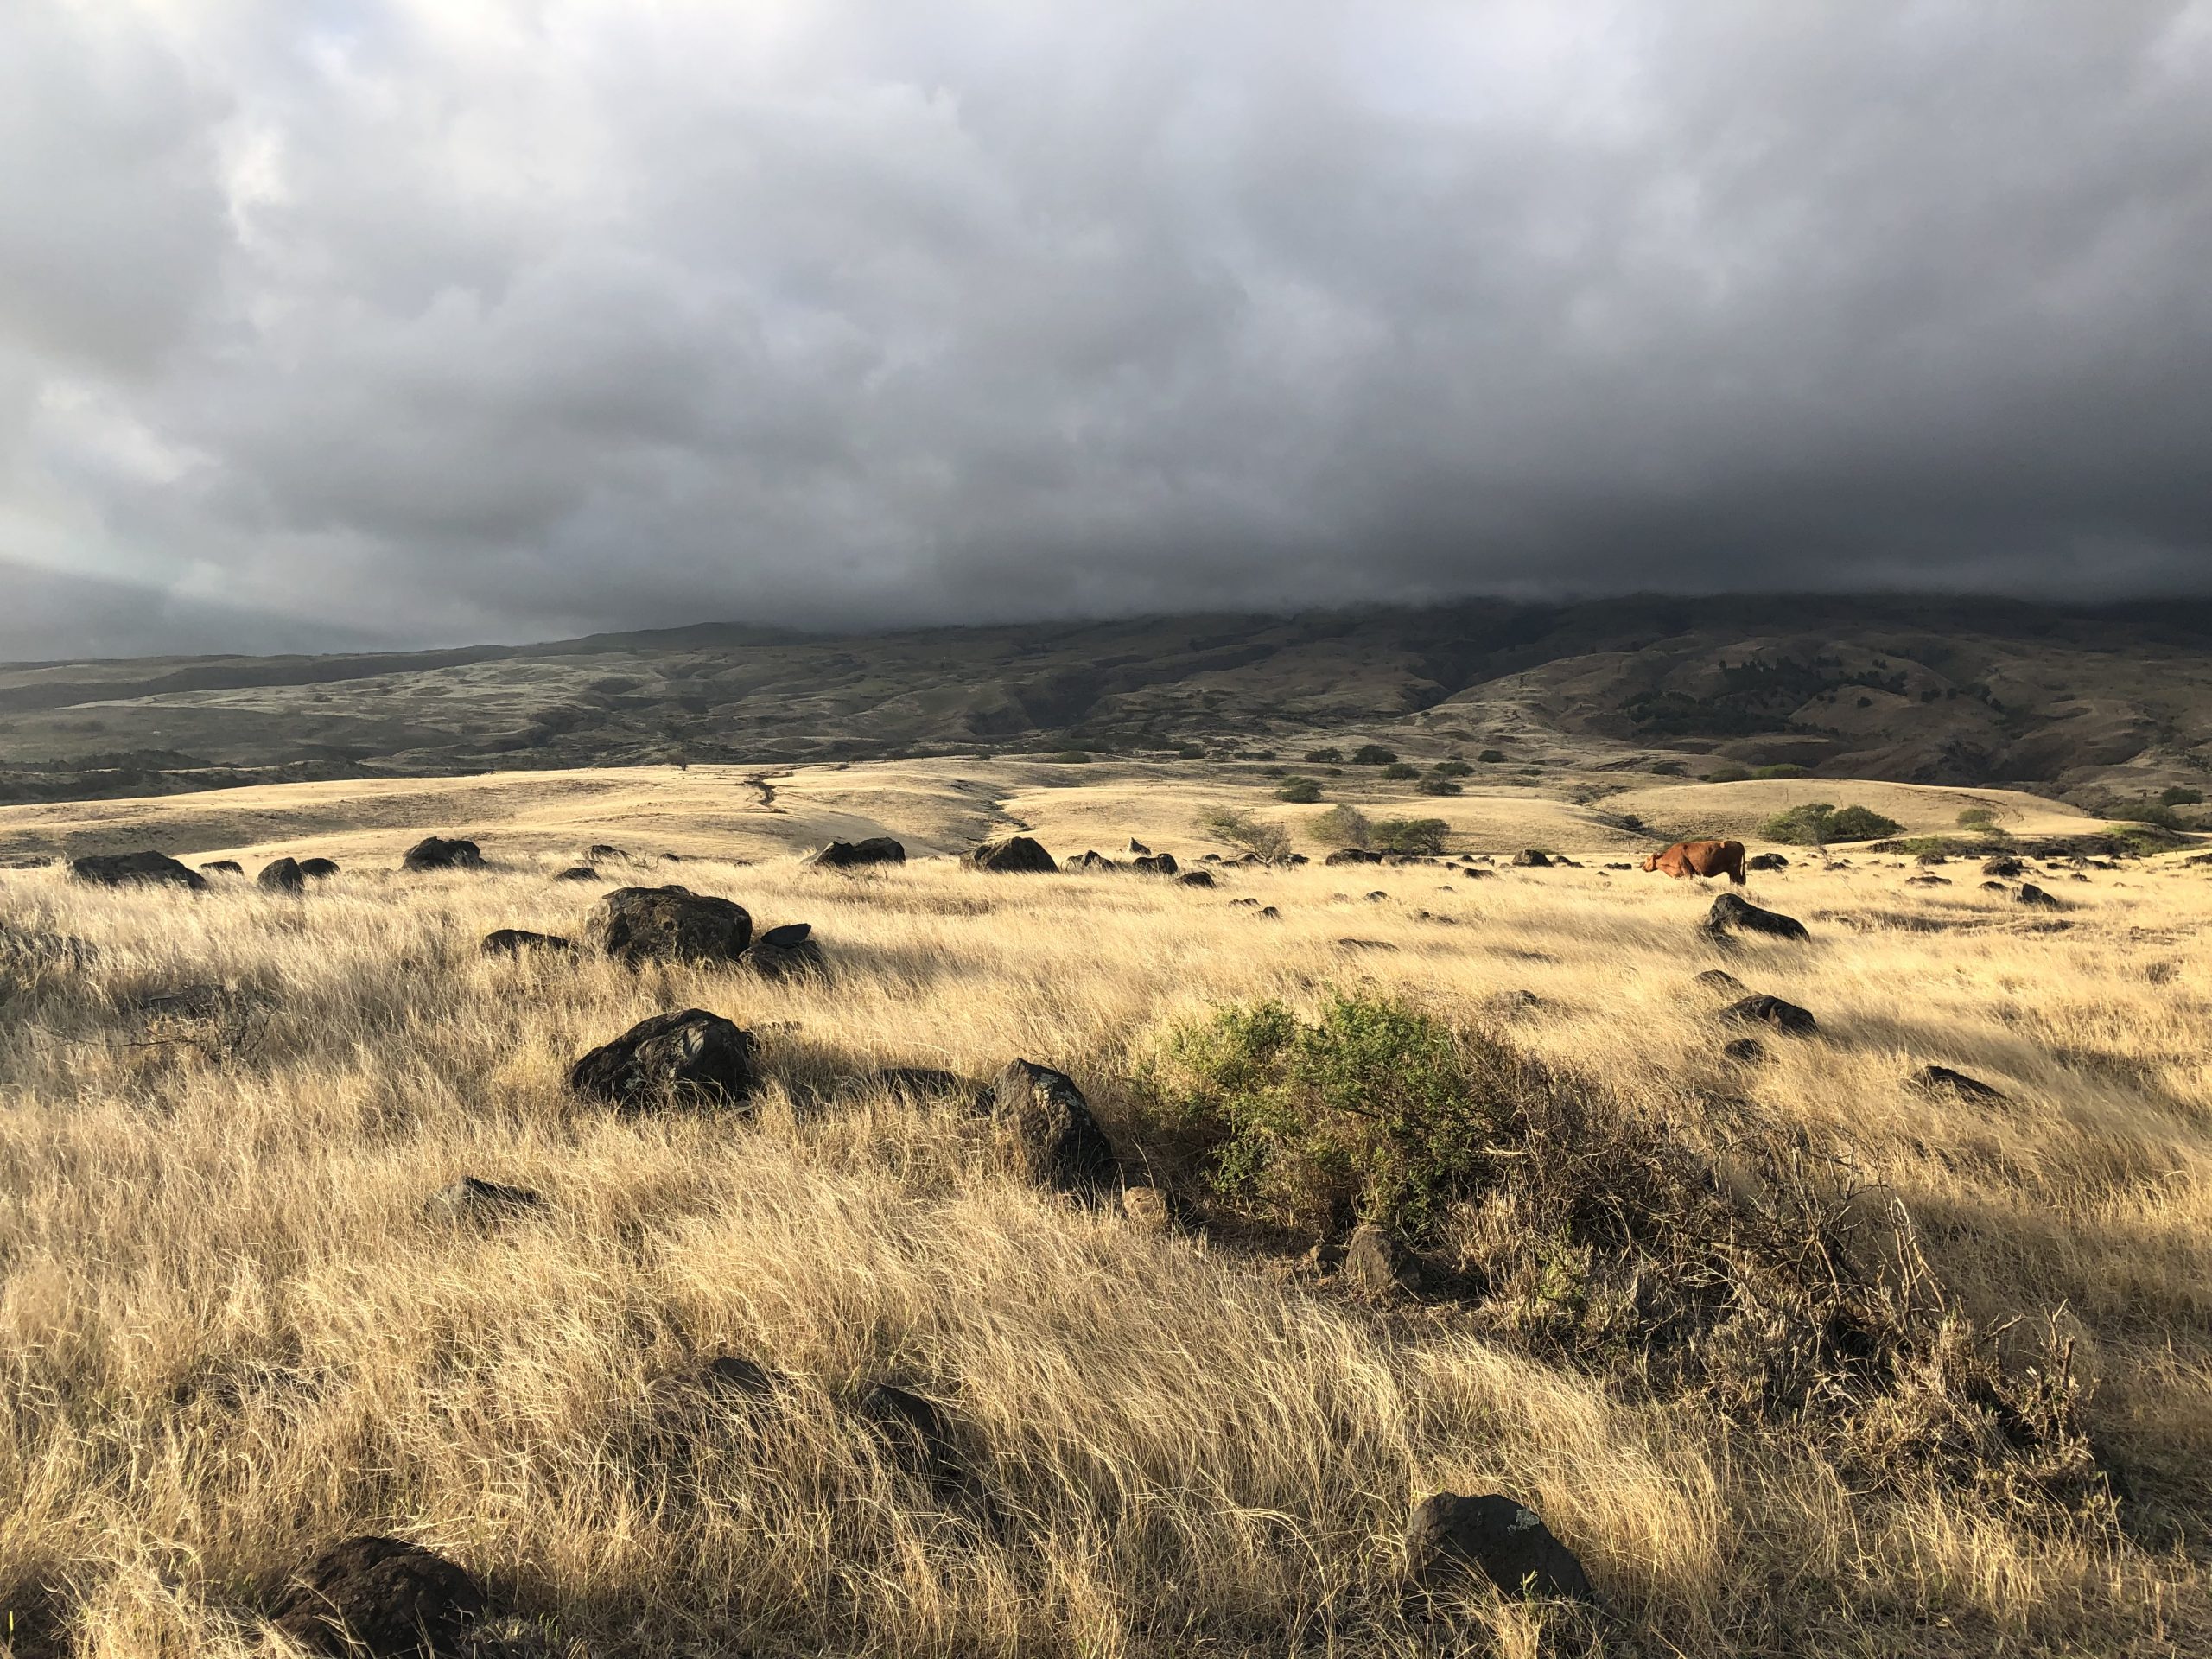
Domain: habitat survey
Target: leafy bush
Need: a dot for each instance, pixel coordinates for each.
(1398, 772)
(1816, 824)
(1435, 785)
(1373, 754)
(1411, 834)
(2181, 795)
(1730, 774)
(1299, 791)
(1977, 817)
(1452, 769)
(1491, 757)
(1270, 842)
(1344, 826)
(2144, 812)
(1322, 757)
(1781, 769)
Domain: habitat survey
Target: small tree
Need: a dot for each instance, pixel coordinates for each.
(1299, 791)
(1263, 840)
(1324, 756)
(1398, 772)
(1373, 754)
(1432, 785)
(1977, 817)
(1816, 824)
(1411, 834)
(1491, 757)
(1344, 826)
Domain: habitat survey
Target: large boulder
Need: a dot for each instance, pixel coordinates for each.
(283, 876)
(318, 869)
(2003, 864)
(1015, 856)
(1772, 1011)
(223, 866)
(1733, 913)
(1057, 1141)
(1352, 856)
(669, 1060)
(2033, 895)
(1195, 878)
(1092, 859)
(382, 1599)
(1757, 862)
(437, 852)
(787, 952)
(128, 869)
(1451, 1539)
(1155, 863)
(1530, 858)
(852, 854)
(576, 872)
(639, 924)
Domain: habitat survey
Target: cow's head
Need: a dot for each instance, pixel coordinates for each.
(1652, 863)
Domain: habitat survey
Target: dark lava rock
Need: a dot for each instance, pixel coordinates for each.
(1529, 859)
(1762, 861)
(1451, 1537)
(1994, 887)
(1353, 855)
(600, 851)
(577, 873)
(1730, 911)
(1931, 859)
(2005, 864)
(918, 1436)
(852, 854)
(787, 952)
(1015, 856)
(223, 866)
(1373, 898)
(1195, 878)
(641, 925)
(1268, 913)
(1243, 903)
(1374, 1262)
(381, 1599)
(1720, 981)
(1056, 1139)
(127, 869)
(1092, 859)
(318, 869)
(1136, 846)
(733, 1375)
(1773, 1011)
(1744, 1050)
(1941, 1080)
(1155, 863)
(2031, 894)
(1928, 880)
(283, 876)
(436, 852)
(671, 1058)
(482, 1202)
(513, 940)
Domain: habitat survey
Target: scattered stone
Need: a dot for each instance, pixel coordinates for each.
(1931, 859)
(1566, 863)
(1365, 944)
(641, 925)
(1374, 1263)
(918, 1436)
(600, 851)
(1352, 856)
(383, 1599)
(1731, 911)
(1056, 1139)
(787, 952)
(1015, 856)
(283, 876)
(1092, 859)
(1139, 848)
(1529, 858)
(1243, 903)
(2031, 894)
(480, 1202)
(577, 873)
(1375, 897)
(1773, 1011)
(1994, 887)
(1479, 875)
(128, 869)
(1761, 861)
(1720, 981)
(436, 852)
(671, 1058)
(2076, 876)
(1195, 878)
(852, 854)
(1450, 1538)
(1928, 880)
(1155, 863)
(1744, 1050)
(513, 940)
(2004, 864)
(223, 866)
(318, 869)
(1268, 913)
(1941, 1080)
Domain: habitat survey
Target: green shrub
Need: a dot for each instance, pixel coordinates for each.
(2144, 812)
(1373, 754)
(2181, 795)
(1299, 791)
(1729, 774)
(1781, 769)
(1322, 757)
(1398, 772)
(1270, 842)
(1816, 824)
(1411, 834)
(1344, 826)
(1435, 785)
(1491, 757)
(1977, 817)
(1452, 769)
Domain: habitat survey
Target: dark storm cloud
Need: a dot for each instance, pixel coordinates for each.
(430, 322)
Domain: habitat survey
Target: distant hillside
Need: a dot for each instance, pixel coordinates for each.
(2077, 703)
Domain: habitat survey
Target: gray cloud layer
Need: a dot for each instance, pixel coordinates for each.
(415, 321)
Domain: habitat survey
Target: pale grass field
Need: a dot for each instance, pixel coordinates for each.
(229, 1335)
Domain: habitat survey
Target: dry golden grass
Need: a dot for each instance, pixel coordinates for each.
(229, 1334)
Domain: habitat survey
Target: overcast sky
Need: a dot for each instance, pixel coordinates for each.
(329, 321)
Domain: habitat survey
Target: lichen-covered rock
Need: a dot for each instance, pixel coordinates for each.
(1451, 1537)
(1057, 1140)
(438, 852)
(690, 1057)
(128, 869)
(381, 1598)
(641, 925)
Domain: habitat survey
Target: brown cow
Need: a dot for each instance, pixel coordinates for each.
(1701, 858)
